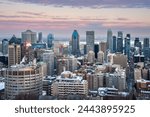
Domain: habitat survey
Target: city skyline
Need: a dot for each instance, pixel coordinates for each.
(62, 17)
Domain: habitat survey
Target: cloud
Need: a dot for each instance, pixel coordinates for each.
(92, 3)
(63, 24)
(32, 13)
(14, 16)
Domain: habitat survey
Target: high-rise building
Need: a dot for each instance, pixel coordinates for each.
(29, 36)
(103, 48)
(62, 65)
(109, 40)
(48, 57)
(69, 84)
(50, 39)
(136, 42)
(117, 80)
(127, 45)
(40, 37)
(15, 40)
(114, 44)
(75, 43)
(23, 80)
(91, 57)
(146, 48)
(14, 54)
(5, 46)
(100, 57)
(146, 43)
(95, 80)
(120, 59)
(120, 42)
(72, 63)
(90, 37)
(96, 49)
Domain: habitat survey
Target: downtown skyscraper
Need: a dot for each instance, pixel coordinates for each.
(50, 39)
(120, 42)
(75, 43)
(90, 37)
(109, 41)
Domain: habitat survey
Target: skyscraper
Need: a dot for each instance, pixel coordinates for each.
(109, 40)
(75, 43)
(136, 42)
(29, 36)
(50, 39)
(40, 37)
(90, 37)
(120, 42)
(146, 48)
(48, 57)
(14, 54)
(5, 46)
(127, 45)
(114, 44)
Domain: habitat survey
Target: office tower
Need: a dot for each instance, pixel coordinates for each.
(23, 80)
(91, 57)
(100, 57)
(5, 46)
(90, 37)
(14, 54)
(146, 48)
(120, 42)
(40, 37)
(95, 80)
(127, 45)
(50, 39)
(75, 43)
(48, 57)
(114, 44)
(69, 84)
(109, 40)
(136, 42)
(96, 49)
(146, 43)
(29, 36)
(103, 48)
(15, 40)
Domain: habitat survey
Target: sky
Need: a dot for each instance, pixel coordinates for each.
(61, 17)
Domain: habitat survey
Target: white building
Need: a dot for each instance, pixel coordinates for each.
(69, 84)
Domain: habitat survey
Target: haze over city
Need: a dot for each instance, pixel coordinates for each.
(62, 17)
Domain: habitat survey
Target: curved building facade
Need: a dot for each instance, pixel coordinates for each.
(23, 80)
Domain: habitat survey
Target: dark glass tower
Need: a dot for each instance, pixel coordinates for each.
(5, 46)
(146, 48)
(50, 39)
(75, 43)
(127, 45)
(114, 44)
(120, 42)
